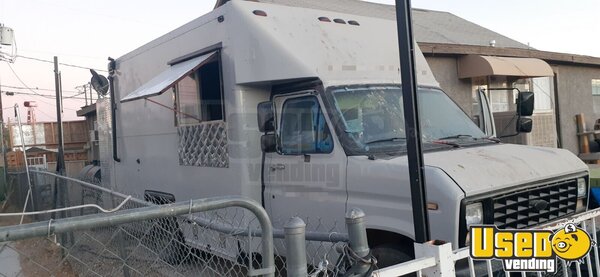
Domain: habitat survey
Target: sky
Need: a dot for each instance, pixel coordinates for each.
(86, 33)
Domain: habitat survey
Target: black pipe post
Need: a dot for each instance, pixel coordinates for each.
(60, 158)
(411, 117)
(113, 107)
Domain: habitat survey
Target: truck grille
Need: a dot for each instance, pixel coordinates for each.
(517, 210)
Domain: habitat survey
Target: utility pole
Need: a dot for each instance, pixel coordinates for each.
(85, 94)
(2, 144)
(411, 116)
(61, 192)
(60, 159)
(4, 185)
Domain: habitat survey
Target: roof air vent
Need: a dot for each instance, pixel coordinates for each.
(259, 13)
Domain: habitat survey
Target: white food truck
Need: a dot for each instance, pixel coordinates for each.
(301, 110)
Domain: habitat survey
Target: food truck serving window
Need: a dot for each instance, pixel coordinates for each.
(199, 96)
(197, 83)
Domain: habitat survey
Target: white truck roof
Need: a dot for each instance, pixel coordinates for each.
(292, 43)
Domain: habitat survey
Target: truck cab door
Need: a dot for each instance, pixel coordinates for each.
(306, 176)
(486, 122)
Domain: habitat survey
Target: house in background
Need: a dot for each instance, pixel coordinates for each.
(465, 57)
(93, 147)
(41, 145)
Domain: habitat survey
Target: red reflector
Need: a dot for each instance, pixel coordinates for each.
(259, 13)
(324, 19)
(341, 21)
(353, 22)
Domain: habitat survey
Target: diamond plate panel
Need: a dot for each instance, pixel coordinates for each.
(203, 145)
(104, 139)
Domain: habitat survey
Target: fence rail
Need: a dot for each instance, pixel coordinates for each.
(225, 236)
(65, 225)
(440, 260)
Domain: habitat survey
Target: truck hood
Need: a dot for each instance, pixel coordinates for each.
(481, 169)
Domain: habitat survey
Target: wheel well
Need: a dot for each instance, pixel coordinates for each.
(158, 197)
(381, 237)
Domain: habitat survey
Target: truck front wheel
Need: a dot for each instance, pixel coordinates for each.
(389, 254)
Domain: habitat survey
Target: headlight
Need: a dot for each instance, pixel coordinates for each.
(473, 214)
(581, 187)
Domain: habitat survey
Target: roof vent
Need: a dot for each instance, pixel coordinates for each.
(259, 13)
(341, 21)
(324, 19)
(353, 22)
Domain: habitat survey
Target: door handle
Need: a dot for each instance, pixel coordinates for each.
(277, 167)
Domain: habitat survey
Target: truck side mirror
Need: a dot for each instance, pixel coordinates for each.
(524, 125)
(525, 103)
(268, 143)
(266, 117)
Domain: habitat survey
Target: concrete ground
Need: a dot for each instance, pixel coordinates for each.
(33, 257)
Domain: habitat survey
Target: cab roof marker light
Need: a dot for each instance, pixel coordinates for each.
(338, 20)
(324, 19)
(354, 22)
(259, 13)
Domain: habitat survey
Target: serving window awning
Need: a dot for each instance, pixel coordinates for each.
(168, 78)
(477, 66)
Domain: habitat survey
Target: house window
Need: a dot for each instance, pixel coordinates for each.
(543, 88)
(199, 95)
(501, 100)
(596, 94)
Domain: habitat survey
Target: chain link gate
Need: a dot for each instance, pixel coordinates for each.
(89, 230)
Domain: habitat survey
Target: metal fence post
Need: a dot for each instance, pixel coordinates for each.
(295, 244)
(357, 234)
(444, 258)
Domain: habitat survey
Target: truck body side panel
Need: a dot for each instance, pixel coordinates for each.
(382, 189)
(147, 131)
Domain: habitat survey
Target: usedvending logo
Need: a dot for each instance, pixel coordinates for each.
(530, 250)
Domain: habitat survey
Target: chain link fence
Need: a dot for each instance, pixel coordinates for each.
(83, 229)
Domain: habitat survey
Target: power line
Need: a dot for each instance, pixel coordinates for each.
(9, 93)
(61, 54)
(65, 64)
(36, 88)
(21, 95)
(34, 92)
(53, 117)
(77, 92)
(23, 83)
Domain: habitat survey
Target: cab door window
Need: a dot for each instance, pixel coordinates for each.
(303, 129)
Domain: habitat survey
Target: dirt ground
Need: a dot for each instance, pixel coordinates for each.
(31, 257)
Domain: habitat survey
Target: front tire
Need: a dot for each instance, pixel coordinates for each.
(389, 254)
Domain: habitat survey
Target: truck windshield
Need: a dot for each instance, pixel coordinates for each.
(371, 118)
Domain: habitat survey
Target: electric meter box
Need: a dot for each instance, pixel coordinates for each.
(6, 35)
